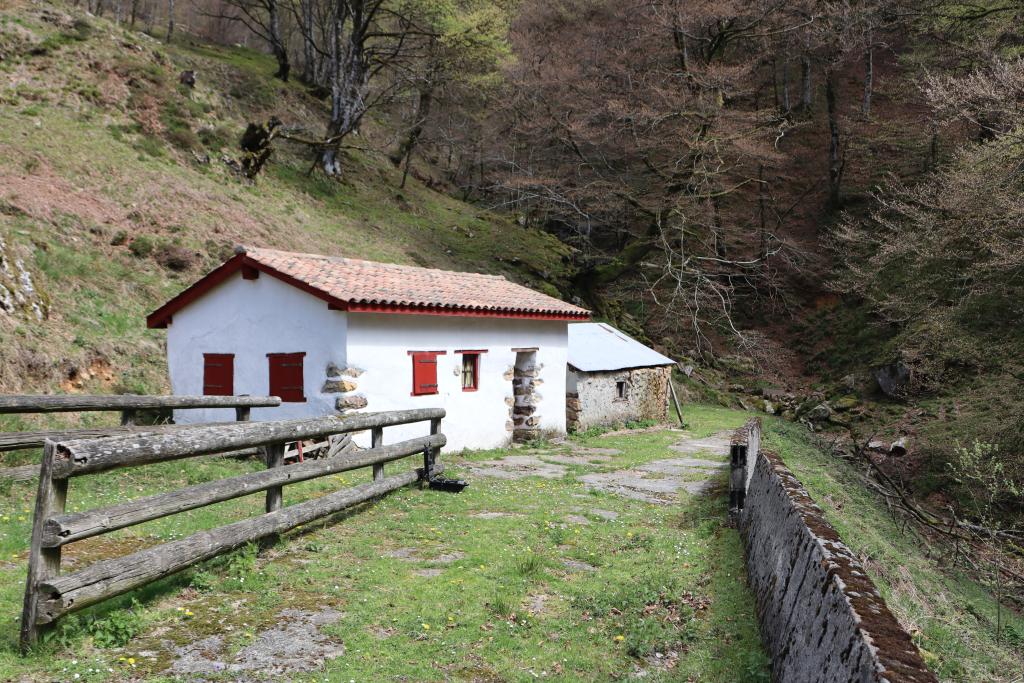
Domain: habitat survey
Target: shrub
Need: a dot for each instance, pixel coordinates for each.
(174, 257)
(142, 246)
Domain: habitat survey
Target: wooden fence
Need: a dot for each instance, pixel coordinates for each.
(50, 595)
(129, 407)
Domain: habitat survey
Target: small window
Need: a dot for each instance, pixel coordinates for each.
(424, 372)
(470, 371)
(286, 376)
(218, 374)
(621, 390)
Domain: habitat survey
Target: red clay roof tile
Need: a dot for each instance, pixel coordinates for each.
(369, 286)
(387, 284)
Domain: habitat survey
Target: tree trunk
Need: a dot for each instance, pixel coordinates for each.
(170, 20)
(762, 209)
(835, 165)
(308, 47)
(805, 79)
(682, 53)
(785, 86)
(721, 248)
(348, 94)
(135, 13)
(277, 44)
(869, 77)
(408, 145)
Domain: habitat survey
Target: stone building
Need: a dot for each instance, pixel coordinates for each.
(612, 378)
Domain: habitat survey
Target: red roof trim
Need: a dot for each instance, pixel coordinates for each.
(463, 312)
(161, 317)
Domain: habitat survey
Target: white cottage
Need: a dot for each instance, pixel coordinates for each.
(330, 334)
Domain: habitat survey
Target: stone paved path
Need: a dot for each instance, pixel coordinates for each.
(295, 644)
(658, 481)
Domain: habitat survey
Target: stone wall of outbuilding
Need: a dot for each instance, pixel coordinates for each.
(592, 397)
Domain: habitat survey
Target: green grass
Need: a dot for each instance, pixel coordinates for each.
(668, 580)
(952, 617)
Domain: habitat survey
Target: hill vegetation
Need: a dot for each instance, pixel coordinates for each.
(116, 195)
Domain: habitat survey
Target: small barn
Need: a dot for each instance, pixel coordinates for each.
(612, 378)
(333, 335)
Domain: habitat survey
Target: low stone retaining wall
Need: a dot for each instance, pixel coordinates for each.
(822, 619)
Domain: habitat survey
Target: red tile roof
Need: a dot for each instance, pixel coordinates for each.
(367, 286)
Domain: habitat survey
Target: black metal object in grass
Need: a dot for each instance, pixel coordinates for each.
(449, 485)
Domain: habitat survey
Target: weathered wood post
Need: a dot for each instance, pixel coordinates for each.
(242, 413)
(376, 441)
(128, 417)
(428, 453)
(274, 457)
(43, 562)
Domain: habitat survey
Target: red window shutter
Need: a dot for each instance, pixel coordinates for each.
(424, 373)
(218, 374)
(286, 376)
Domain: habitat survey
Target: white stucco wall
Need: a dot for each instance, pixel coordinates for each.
(251, 318)
(379, 345)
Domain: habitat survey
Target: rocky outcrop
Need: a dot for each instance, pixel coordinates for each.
(893, 379)
(18, 293)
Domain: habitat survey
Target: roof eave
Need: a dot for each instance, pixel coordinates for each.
(160, 318)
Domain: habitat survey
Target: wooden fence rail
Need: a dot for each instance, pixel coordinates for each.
(128, 405)
(50, 595)
(75, 403)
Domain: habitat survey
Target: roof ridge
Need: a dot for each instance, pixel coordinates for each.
(241, 249)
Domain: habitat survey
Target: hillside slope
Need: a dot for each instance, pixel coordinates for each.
(115, 194)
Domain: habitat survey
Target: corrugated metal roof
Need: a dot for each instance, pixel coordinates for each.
(596, 346)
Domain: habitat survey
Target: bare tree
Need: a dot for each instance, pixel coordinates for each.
(262, 18)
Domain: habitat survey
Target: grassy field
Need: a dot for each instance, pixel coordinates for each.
(476, 586)
(507, 581)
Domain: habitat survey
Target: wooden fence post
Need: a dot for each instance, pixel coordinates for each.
(43, 563)
(274, 456)
(428, 453)
(377, 440)
(128, 417)
(242, 413)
